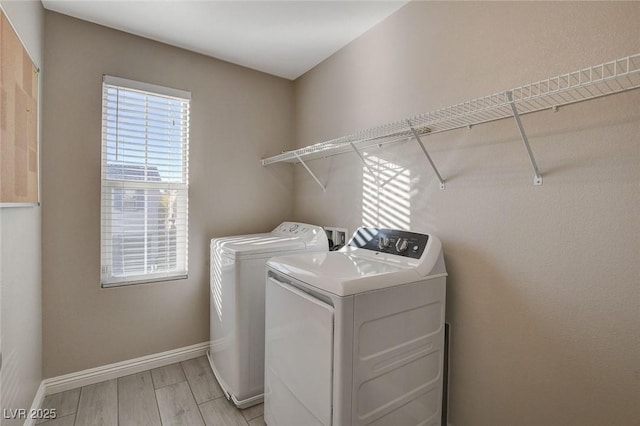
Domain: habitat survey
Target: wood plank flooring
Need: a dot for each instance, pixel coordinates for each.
(184, 393)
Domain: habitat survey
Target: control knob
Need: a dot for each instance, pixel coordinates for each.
(402, 244)
(383, 242)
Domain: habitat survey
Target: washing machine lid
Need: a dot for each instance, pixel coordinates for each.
(288, 236)
(253, 244)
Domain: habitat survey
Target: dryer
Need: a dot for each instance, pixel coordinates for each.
(356, 337)
(237, 272)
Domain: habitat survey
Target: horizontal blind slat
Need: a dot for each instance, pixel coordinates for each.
(151, 119)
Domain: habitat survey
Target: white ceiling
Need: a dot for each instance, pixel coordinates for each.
(284, 38)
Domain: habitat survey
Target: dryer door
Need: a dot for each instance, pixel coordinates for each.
(298, 357)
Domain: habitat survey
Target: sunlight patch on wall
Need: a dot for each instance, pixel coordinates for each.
(386, 197)
(215, 280)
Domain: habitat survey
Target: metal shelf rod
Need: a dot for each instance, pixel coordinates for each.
(537, 179)
(426, 153)
(324, 188)
(364, 161)
(395, 175)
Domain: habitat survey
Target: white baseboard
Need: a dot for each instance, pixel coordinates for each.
(37, 403)
(120, 369)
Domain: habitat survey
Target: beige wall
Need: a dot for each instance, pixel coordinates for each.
(237, 117)
(20, 266)
(543, 281)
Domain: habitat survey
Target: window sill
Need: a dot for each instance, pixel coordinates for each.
(144, 281)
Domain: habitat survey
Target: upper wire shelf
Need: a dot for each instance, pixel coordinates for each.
(600, 80)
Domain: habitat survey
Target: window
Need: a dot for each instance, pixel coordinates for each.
(145, 154)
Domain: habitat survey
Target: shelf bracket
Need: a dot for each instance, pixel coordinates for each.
(324, 188)
(433, 166)
(395, 175)
(537, 178)
(364, 161)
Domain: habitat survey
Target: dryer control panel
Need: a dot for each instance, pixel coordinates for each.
(311, 235)
(294, 228)
(392, 241)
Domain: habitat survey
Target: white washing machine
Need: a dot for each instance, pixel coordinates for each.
(356, 337)
(237, 285)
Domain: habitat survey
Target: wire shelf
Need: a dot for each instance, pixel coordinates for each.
(600, 80)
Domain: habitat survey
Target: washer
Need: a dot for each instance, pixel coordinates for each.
(356, 337)
(236, 352)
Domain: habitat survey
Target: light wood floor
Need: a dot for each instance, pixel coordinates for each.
(184, 393)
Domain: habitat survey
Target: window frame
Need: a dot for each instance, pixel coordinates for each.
(107, 186)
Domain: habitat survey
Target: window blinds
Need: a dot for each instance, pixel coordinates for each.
(144, 211)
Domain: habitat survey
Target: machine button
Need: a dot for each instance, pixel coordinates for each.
(383, 242)
(402, 244)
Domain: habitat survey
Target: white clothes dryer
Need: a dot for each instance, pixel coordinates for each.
(237, 285)
(356, 337)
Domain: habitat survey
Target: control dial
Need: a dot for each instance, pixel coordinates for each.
(402, 244)
(383, 242)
